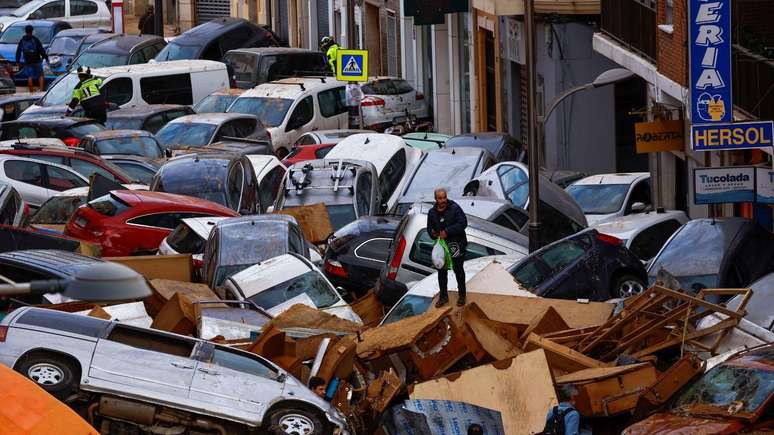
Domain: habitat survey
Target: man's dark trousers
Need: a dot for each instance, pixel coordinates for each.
(459, 274)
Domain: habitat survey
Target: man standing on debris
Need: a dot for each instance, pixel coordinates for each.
(447, 221)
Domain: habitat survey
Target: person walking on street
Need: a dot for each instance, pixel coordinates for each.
(147, 24)
(329, 46)
(88, 95)
(447, 221)
(30, 49)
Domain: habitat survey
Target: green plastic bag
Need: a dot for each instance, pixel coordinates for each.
(447, 254)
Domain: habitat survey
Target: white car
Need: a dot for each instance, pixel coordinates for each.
(78, 13)
(38, 180)
(389, 100)
(291, 107)
(606, 196)
(393, 159)
(418, 298)
(269, 175)
(278, 283)
(644, 233)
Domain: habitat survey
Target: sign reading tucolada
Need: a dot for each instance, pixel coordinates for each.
(724, 185)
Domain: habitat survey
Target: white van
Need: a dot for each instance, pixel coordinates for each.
(176, 82)
(291, 107)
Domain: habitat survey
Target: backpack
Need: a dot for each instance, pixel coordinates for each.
(30, 50)
(555, 424)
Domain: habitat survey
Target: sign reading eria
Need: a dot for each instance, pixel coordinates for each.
(352, 65)
(737, 136)
(710, 48)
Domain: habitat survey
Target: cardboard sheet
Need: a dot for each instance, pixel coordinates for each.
(401, 334)
(302, 316)
(176, 267)
(313, 220)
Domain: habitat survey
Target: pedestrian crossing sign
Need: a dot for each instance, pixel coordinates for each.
(352, 65)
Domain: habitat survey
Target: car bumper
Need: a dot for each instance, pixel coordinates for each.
(388, 291)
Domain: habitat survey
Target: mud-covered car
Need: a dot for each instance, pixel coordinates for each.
(734, 396)
(139, 377)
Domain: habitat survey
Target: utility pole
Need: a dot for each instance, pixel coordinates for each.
(534, 149)
(158, 17)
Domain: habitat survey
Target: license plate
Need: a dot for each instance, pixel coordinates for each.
(81, 221)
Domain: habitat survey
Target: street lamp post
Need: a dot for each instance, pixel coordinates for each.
(532, 142)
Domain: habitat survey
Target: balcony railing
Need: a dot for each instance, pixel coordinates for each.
(633, 24)
(753, 83)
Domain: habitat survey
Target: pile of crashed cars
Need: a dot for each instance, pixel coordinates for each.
(281, 246)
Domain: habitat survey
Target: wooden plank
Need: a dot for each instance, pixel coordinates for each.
(175, 267)
(547, 321)
(520, 388)
(596, 373)
(164, 289)
(613, 395)
(562, 357)
(486, 334)
(378, 341)
(729, 323)
(313, 220)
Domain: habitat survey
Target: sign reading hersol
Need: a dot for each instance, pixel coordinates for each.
(652, 137)
(352, 65)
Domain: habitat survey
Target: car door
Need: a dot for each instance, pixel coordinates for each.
(59, 179)
(332, 108)
(640, 192)
(83, 13)
(54, 10)
(28, 179)
(242, 383)
(269, 186)
(145, 362)
(299, 122)
(572, 272)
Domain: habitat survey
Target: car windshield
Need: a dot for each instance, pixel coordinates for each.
(341, 215)
(411, 305)
(57, 210)
(185, 134)
(599, 198)
(271, 111)
(95, 59)
(176, 51)
(727, 389)
(205, 181)
(693, 256)
(223, 272)
(311, 283)
(137, 146)
(214, 104)
(66, 45)
(184, 240)
(14, 34)
(452, 171)
(61, 92)
(26, 9)
(244, 246)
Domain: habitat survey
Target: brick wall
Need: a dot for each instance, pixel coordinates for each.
(672, 50)
(754, 17)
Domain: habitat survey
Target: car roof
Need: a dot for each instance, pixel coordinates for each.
(79, 31)
(96, 37)
(340, 133)
(162, 200)
(291, 88)
(618, 178)
(144, 110)
(370, 224)
(168, 67)
(64, 263)
(4, 157)
(274, 50)
(484, 207)
(229, 91)
(626, 227)
(240, 221)
(122, 43)
(210, 30)
(377, 148)
(128, 157)
(110, 134)
(442, 158)
(210, 118)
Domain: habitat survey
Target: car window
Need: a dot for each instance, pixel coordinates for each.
(244, 127)
(320, 153)
(505, 221)
(60, 179)
(302, 114)
(138, 57)
(225, 130)
(23, 105)
(296, 243)
(242, 65)
(380, 87)
(25, 172)
(148, 340)
(561, 255)
(10, 207)
(530, 274)
(81, 325)
(51, 10)
(235, 182)
(118, 91)
(137, 171)
(392, 174)
(22, 132)
(640, 193)
(305, 139)
(177, 113)
(556, 224)
(164, 220)
(154, 123)
(647, 243)
(82, 7)
(234, 360)
(515, 184)
(423, 247)
(332, 102)
(374, 249)
(87, 169)
(269, 187)
(363, 194)
(236, 38)
(168, 89)
(151, 51)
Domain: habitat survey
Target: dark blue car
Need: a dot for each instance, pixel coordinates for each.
(585, 265)
(63, 49)
(42, 29)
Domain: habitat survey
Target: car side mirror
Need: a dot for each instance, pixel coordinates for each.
(639, 207)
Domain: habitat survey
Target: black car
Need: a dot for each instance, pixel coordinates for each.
(716, 253)
(141, 169)
(357, 252)
(120, 50)
(226, 179)
(91, 40)
(69, 129)
(149, 118)
(253, 66)
(586, 265)
(503, 146)
(211, 40)
(20, 103)
(131, 142)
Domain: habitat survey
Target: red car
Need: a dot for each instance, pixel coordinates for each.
(302, 153)
(133, 222)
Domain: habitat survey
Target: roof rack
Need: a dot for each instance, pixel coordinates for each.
(338, 172)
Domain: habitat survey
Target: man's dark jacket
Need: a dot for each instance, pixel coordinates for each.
(452, 220)
(33, 54)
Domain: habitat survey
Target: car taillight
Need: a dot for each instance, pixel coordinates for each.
(71, 141)
(371, 101)
(3, 333)
(335, 268)
(420, 96)
(610, 240)
(392, 272)
(198, 263)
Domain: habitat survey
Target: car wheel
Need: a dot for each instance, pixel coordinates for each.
(628, 285)
(296, 421)
(53, 373)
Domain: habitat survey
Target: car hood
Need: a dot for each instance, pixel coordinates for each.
(36, 111)
(672, 424)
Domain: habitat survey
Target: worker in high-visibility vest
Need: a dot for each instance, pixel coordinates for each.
(329, 46)
(88, 95)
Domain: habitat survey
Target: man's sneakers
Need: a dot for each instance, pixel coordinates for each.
(441, 302)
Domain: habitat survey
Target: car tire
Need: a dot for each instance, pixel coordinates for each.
(296, 421)
(54, 373)
(627, 285)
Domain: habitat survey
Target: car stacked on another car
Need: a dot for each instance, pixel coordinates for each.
(125, 142)
(37, 180)
(253, 66)
(218, 101)
(78, 13)
(63, 48)
(390, 100)
(150, 118)
(198, 130)
(607, 196)
(644, 233)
